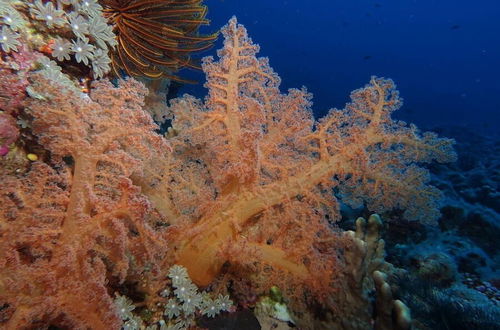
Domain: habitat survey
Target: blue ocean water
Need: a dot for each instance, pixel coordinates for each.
(444, 55)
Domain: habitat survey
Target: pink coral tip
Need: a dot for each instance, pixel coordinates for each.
(4, 150)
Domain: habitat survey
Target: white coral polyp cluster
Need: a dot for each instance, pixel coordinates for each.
(91, 34)
(187, 300)
(181, 306)
(77, 30)
(10, 23)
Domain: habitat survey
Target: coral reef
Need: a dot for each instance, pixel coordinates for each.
(454, 267)
(365, 271)
(66, 232)
(272, 168)
(244, 192)
(73, 32)
(456, 307)
(183, 304)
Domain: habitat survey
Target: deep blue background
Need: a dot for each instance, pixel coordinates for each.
(444, 55)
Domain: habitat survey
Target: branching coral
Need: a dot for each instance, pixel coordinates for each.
(272, 171)
(66, 232)
(247, 185)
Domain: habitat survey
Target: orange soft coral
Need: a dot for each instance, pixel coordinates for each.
(68, 233)
(248, 187)
(273, 169)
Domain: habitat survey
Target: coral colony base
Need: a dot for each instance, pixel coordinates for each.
(112, 225)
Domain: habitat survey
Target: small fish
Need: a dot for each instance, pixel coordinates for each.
(455, 27)
(377, 5)
(367, 57)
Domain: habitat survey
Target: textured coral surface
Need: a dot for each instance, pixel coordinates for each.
(273, 168)
(243, 192)
(68, 231)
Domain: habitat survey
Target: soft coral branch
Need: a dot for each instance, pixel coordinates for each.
(249, 184)
(271, 164)
(65, 244)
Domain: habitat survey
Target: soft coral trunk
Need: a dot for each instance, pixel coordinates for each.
(273, 169)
